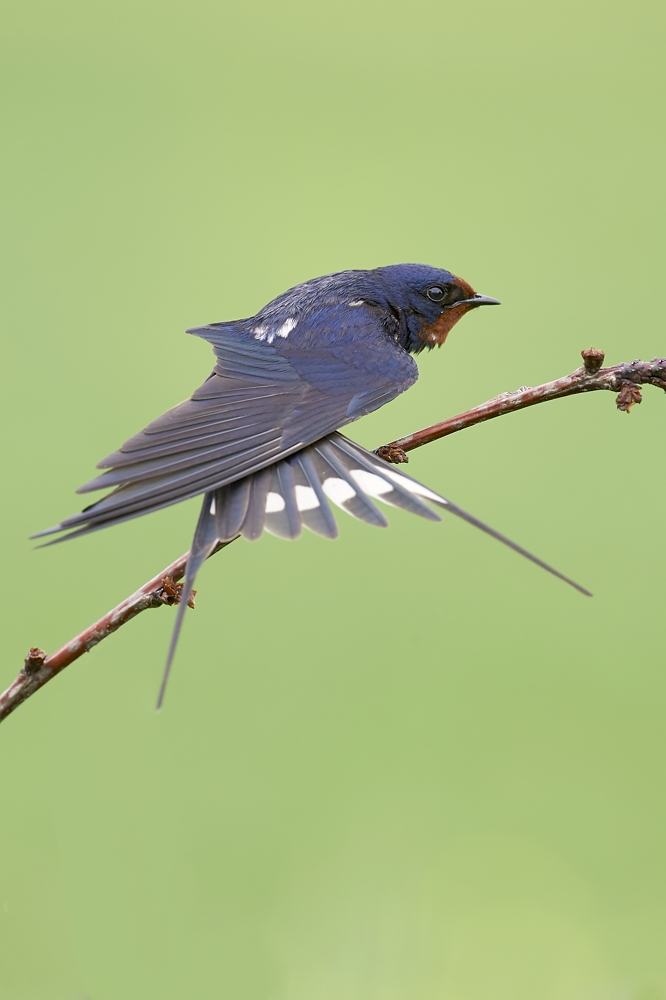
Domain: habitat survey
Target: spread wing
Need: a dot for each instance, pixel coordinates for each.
(262, 403)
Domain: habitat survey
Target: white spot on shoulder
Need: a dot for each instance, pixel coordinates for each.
(306, 498)
(338, 490)
(286, 327)
(260, 332)
(356, 303)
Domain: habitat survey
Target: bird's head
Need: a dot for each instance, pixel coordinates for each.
(428, 302)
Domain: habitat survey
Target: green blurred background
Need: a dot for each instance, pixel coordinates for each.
(407, 765)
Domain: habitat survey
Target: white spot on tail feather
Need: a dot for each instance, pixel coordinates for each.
(306, 498)
(374, 486)
(212, 506)
(260, 332)
(338, 490)
(413, 487)
(274, 503)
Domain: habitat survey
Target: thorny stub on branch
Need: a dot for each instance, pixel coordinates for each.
(171, 592)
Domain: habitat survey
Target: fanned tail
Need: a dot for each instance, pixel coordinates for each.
(295, 493)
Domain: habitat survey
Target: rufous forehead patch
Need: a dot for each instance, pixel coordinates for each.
(466, 287)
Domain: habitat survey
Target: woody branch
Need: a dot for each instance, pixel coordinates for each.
(624, 379)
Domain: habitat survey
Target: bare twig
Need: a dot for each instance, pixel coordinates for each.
(38, 668)
(623, 379)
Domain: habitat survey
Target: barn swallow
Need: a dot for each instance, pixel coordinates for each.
(260, 437)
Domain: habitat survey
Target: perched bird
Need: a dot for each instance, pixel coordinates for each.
(259, 437)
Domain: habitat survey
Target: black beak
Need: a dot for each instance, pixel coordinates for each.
(476, 300)
(484, 300)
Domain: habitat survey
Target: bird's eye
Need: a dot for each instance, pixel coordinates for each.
(436, 293)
